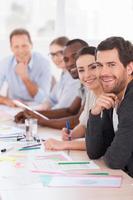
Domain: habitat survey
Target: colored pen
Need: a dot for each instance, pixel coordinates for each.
(6, 137)
(30, 146)
(20, 138)
(6, 149)
(98, 173)
(73, 163)
(25, 149)
(68, 129)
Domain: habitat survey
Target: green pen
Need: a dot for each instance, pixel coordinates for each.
(25, 149)
(98, 173)
(74, 163)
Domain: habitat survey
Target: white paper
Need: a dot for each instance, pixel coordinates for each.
(80, 181)
(48, 162)
(10, 111)
(8, 130)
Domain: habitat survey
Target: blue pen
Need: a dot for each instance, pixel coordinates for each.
(68, 129)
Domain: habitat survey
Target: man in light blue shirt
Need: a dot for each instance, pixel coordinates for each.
(64, 92)
(27, 74)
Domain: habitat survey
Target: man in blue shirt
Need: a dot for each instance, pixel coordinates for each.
(27, 74)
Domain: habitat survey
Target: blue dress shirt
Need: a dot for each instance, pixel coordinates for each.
(64, 92)
(39, 72)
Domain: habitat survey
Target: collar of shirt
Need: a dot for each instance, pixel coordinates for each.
(30, 64)
(115, 119)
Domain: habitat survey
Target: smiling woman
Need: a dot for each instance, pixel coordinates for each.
(85, 59)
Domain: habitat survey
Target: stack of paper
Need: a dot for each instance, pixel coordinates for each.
(81, 181)
(7, 131)
(48, 163)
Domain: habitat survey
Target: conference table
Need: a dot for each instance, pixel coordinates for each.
(39, 192)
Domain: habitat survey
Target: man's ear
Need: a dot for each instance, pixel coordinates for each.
(130, 68)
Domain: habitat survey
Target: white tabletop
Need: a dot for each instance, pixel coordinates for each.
(38, 191)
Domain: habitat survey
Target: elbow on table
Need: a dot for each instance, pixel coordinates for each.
(113, 164)
(93, 155)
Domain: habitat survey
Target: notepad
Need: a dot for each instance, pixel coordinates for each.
(48, 162)
(81, 181)
(7, 131)
(7, 159)
(54, 156)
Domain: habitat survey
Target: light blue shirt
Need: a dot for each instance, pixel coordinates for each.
(39, 72)
(64, 92)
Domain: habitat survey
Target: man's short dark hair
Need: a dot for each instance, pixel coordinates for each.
(20, 31)
(90, 50)
(124, 48)
(78, 41)
(61, 41)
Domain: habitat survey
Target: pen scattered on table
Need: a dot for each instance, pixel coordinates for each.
(8, 137)
(6, 148)
(32, 145)
(69, 132)
(98, 173)
(68, 129)
(26, 149)
(73, 163)
(77, 165)
(20, 138)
